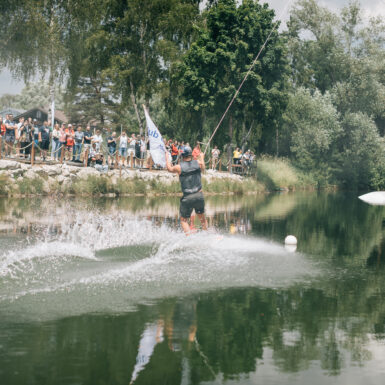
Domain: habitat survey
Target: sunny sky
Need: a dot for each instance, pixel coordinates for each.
(371, 8)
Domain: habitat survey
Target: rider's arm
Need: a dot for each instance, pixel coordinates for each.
(174, 169)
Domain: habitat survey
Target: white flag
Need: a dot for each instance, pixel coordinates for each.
(157, 146)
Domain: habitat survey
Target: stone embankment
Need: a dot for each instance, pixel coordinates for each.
(18, 179)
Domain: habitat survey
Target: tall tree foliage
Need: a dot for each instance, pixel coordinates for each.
(146, 37)
(39, 36)
(343, 59)
(216, 63)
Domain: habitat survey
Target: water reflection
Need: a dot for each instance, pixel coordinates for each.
(328, 329)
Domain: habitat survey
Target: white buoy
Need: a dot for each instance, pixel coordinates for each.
(291, 248)
(291, 243)
(376, 198)
(290, 240)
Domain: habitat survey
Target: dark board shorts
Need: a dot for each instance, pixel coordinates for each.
(191, 202)
(44, 145)
(9, 138)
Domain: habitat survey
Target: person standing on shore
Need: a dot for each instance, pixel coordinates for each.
(111, 144)
(62, 140)
(26, 138)
(98, 140)
(55, 142)
(214, 157)
(79, 139)
(189, 171)
(44, 139)
(10, 134)
(131, 151)
(70, 141)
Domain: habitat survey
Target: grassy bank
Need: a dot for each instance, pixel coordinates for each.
(103, 185)
(273, 175)
(279, 174)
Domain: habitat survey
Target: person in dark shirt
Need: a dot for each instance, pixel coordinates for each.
(137, 151)
(111, 144)
(79, 139)
(26, 138)
(87, 138)
(44, 139)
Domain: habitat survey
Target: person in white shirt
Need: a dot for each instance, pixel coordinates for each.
(55, 142)
(18, 130)
(131, 150)
(98, 140)
(123, 144)
(215, 156)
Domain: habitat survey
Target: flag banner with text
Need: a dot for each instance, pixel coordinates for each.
(157, 147)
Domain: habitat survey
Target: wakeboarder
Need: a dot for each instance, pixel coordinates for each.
(189, 171)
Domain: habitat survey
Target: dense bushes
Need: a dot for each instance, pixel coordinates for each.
(344, 149)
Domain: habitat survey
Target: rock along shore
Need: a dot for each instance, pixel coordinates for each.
(19, 179)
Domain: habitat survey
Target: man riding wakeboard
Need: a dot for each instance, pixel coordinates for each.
(189, 171)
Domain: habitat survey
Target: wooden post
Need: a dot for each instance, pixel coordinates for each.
(132, 160)
(116, 160)
(62, 149)
(33, 153)
(85, 160)
(1, 146)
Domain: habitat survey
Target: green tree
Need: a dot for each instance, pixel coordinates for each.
(40, 36)
(362, 153)
(311, 128)
(90, 95)
(146, 39)
(216, 63)
(318, 54)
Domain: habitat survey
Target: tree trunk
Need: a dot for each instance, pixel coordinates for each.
(245, 138)
(51, 115)
(133, 100)
(276, 142)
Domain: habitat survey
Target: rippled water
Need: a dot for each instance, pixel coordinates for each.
(111, 291)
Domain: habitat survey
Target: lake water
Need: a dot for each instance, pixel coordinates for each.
(109, 291)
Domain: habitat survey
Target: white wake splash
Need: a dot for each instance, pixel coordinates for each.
(111, 263)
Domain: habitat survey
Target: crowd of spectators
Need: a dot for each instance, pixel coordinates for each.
(67, 142)
(245, 158)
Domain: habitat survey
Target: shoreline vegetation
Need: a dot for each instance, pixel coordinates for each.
(20, 180)
(314, 93)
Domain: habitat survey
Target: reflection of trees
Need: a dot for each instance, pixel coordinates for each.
(18, 213)
(332, 225)
(87, 349)
(329, 323)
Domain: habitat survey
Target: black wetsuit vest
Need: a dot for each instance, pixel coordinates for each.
(190, 177)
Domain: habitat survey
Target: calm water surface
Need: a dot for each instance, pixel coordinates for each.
(108, 291)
